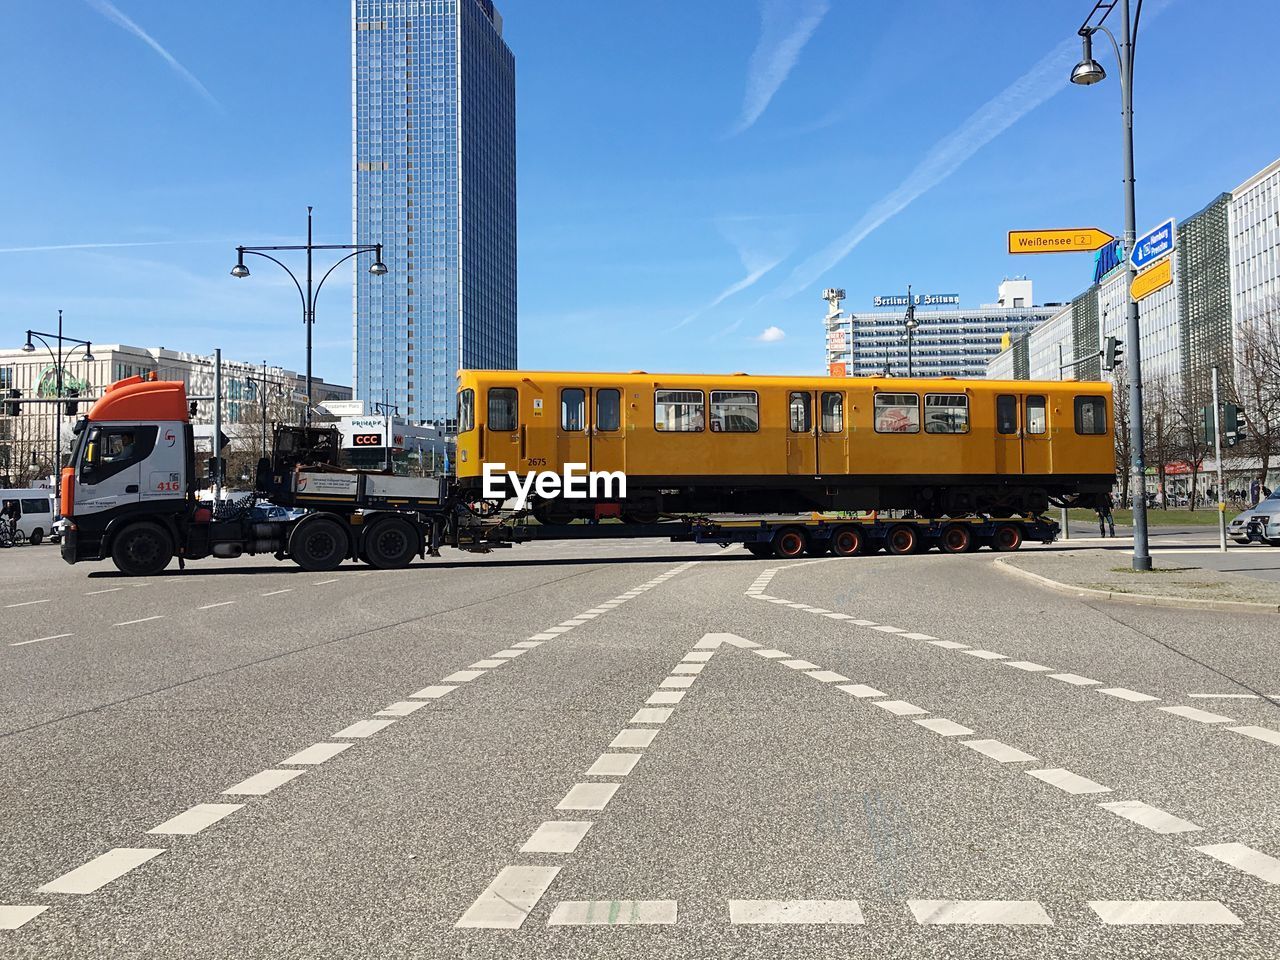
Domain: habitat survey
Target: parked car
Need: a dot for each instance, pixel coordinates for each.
(1260, 523)
(36, 522)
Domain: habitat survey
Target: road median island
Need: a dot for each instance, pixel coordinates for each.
(1102, 574)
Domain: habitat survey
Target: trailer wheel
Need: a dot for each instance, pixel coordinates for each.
(846, 542)
(141, 550)
(759, 549)
(1007, 537)
(641, 517)
(957, 538)
(789, 543)
(391, 544)
(902, 539)
(318, 543)
(554, 513)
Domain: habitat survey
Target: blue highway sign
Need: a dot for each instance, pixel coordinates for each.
(1153, 245)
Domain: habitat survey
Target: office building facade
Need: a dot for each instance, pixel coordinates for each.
(433, 143)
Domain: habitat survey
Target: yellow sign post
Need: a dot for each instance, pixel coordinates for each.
(1155, 277)
(1075, 240)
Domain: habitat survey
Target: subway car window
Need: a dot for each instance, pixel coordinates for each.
(801, 418)
(735, 411)
(678, 411)
(1037, 417)
(1006, 414)
(573, 409)
(1091, 415)
(833, 413)
(503, 415)
(608, 410)
(897, 413)
(946, 413)
(466, 410)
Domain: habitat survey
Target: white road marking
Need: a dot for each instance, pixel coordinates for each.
(1259, 733)
(56, 636)
(575, 622)
(799, 664)
(14, 916)
(1200, 716)
(1123, 693)
(321, 583)
(919, 636)
(576, 913)
(463, 676)
(588, 796)
(985, 655)
(1246, 859)
(677, 683)
(795, 911)
(614, 765)
(210, 606)
(634, 739)
(557, 836)
(666, 696)
(996, 750)
(528, 644)
(1153, 818)
(276, 593)
(944, 727)
(129, 623)
(652, 715)
(770, 654)
(979, 911)
(861, 690)
(363, 728)
(544, 636)
(827, 676)
(1224, 696)
(94, 593)
(1162, 912)
(948, 645)
(197, 818)
(1074, 679)
(100, 871)
(1068, 781)
(689, 668)
(837, 616)
(508, 899)
(508, 654)
(401, 708)
(863, 623)
(317, 753)
(486, 665)
(432, 693)
(556, 631)
(27, 603)
(900, 708)
(263, 783)
(818, 610)
(885, 629)
(1027, 665)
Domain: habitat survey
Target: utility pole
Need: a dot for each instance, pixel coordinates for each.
(1217, 454)
(1066, 518)
(217, 426)
(911, 328)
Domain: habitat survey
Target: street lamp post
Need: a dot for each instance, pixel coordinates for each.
(377, 268)
(911, 324)
(1087, 72)
(261, 385)
(387, 409)
(58, 359)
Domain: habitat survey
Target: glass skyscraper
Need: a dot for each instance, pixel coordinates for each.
(434, 153)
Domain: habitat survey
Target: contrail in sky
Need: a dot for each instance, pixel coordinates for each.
(96, 246)
(110, 11)
(784, 31)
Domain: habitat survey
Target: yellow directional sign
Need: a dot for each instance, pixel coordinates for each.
(1072, 240)
(1153, 278)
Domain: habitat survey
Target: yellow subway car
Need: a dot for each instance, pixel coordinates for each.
(733, 443)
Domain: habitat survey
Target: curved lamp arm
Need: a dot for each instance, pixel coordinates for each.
(266, 256)
(354, 253)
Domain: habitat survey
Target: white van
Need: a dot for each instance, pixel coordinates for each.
(38, 513)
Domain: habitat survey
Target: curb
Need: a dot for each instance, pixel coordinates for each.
(1139, 599)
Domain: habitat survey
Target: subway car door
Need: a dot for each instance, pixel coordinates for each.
(802, 435)
(1008, 435)
(833, 438)
(608, 430)
(1037, 456)
(573, 442)
(502, 434)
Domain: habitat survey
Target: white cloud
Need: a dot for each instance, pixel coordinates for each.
(772, 335)
(109, 10)
(784, 30)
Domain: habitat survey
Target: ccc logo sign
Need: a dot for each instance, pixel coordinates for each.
(367, 440)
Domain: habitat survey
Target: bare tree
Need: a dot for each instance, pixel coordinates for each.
(1257, 380)
(1159, 397)
(1187, 419)
(1120, 406)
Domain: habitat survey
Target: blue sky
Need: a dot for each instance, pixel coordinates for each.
(690, 174)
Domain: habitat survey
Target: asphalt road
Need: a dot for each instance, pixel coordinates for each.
(629, 750)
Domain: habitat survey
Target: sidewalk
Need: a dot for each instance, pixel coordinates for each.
(1108, 574)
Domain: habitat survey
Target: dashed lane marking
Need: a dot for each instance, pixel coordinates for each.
(1259, 733)
(210, 606)
(861, 690)
(1153, 818)
(434, 692)
(948, 645)
(700, 656)
(985, 654)
(1074, 679)
(12, 916)
(509, 654)
(192, 821)
(771, 654)
(483, 665)
(1245, 859)
(101, 870)
(94, 593)
(321, 583)
(799, 664)
(576, 913)
(652, 715)
(688, 668)
(1027, 665)
(827, 676)
(528, 644)
(509, 898)
(1000, 752)
(944, 727)
(795, 911)
(464, 676)
(1162, 912)
(613, 765)
(1018, 912)
(363, 728)
(588, 796)
(260, 784)
(27, 603)
(1123, 693)
(317, 753)
(900, 708)
(56, 636)
(665, 696)
(276, 593)
(557, 836)
(633, 739)
(129, 623)
(1067, 781)
(1200, 716)
(678, 682)
(401, 708)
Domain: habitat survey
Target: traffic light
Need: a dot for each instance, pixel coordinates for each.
(215, 468)
(1231, 424)
(1242, 422)
(192, 408)
(72, 406)
(11, 406)
(1209, 435)
(1112, 353)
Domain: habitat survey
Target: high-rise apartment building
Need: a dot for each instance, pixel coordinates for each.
(434, 180)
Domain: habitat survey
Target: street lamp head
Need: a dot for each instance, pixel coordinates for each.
(378, 268)
(28, 347)
(88, 353)
(239, 271)
(1088, 71)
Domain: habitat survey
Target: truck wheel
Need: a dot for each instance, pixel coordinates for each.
(391, 544)
(37, 535)
(1007, 537)
(789, 543)
(141, 550)
(846, 542)
(903, 539)
(318, 543)
(957, 538)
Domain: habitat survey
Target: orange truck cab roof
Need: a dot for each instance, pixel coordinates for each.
(140, 398)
